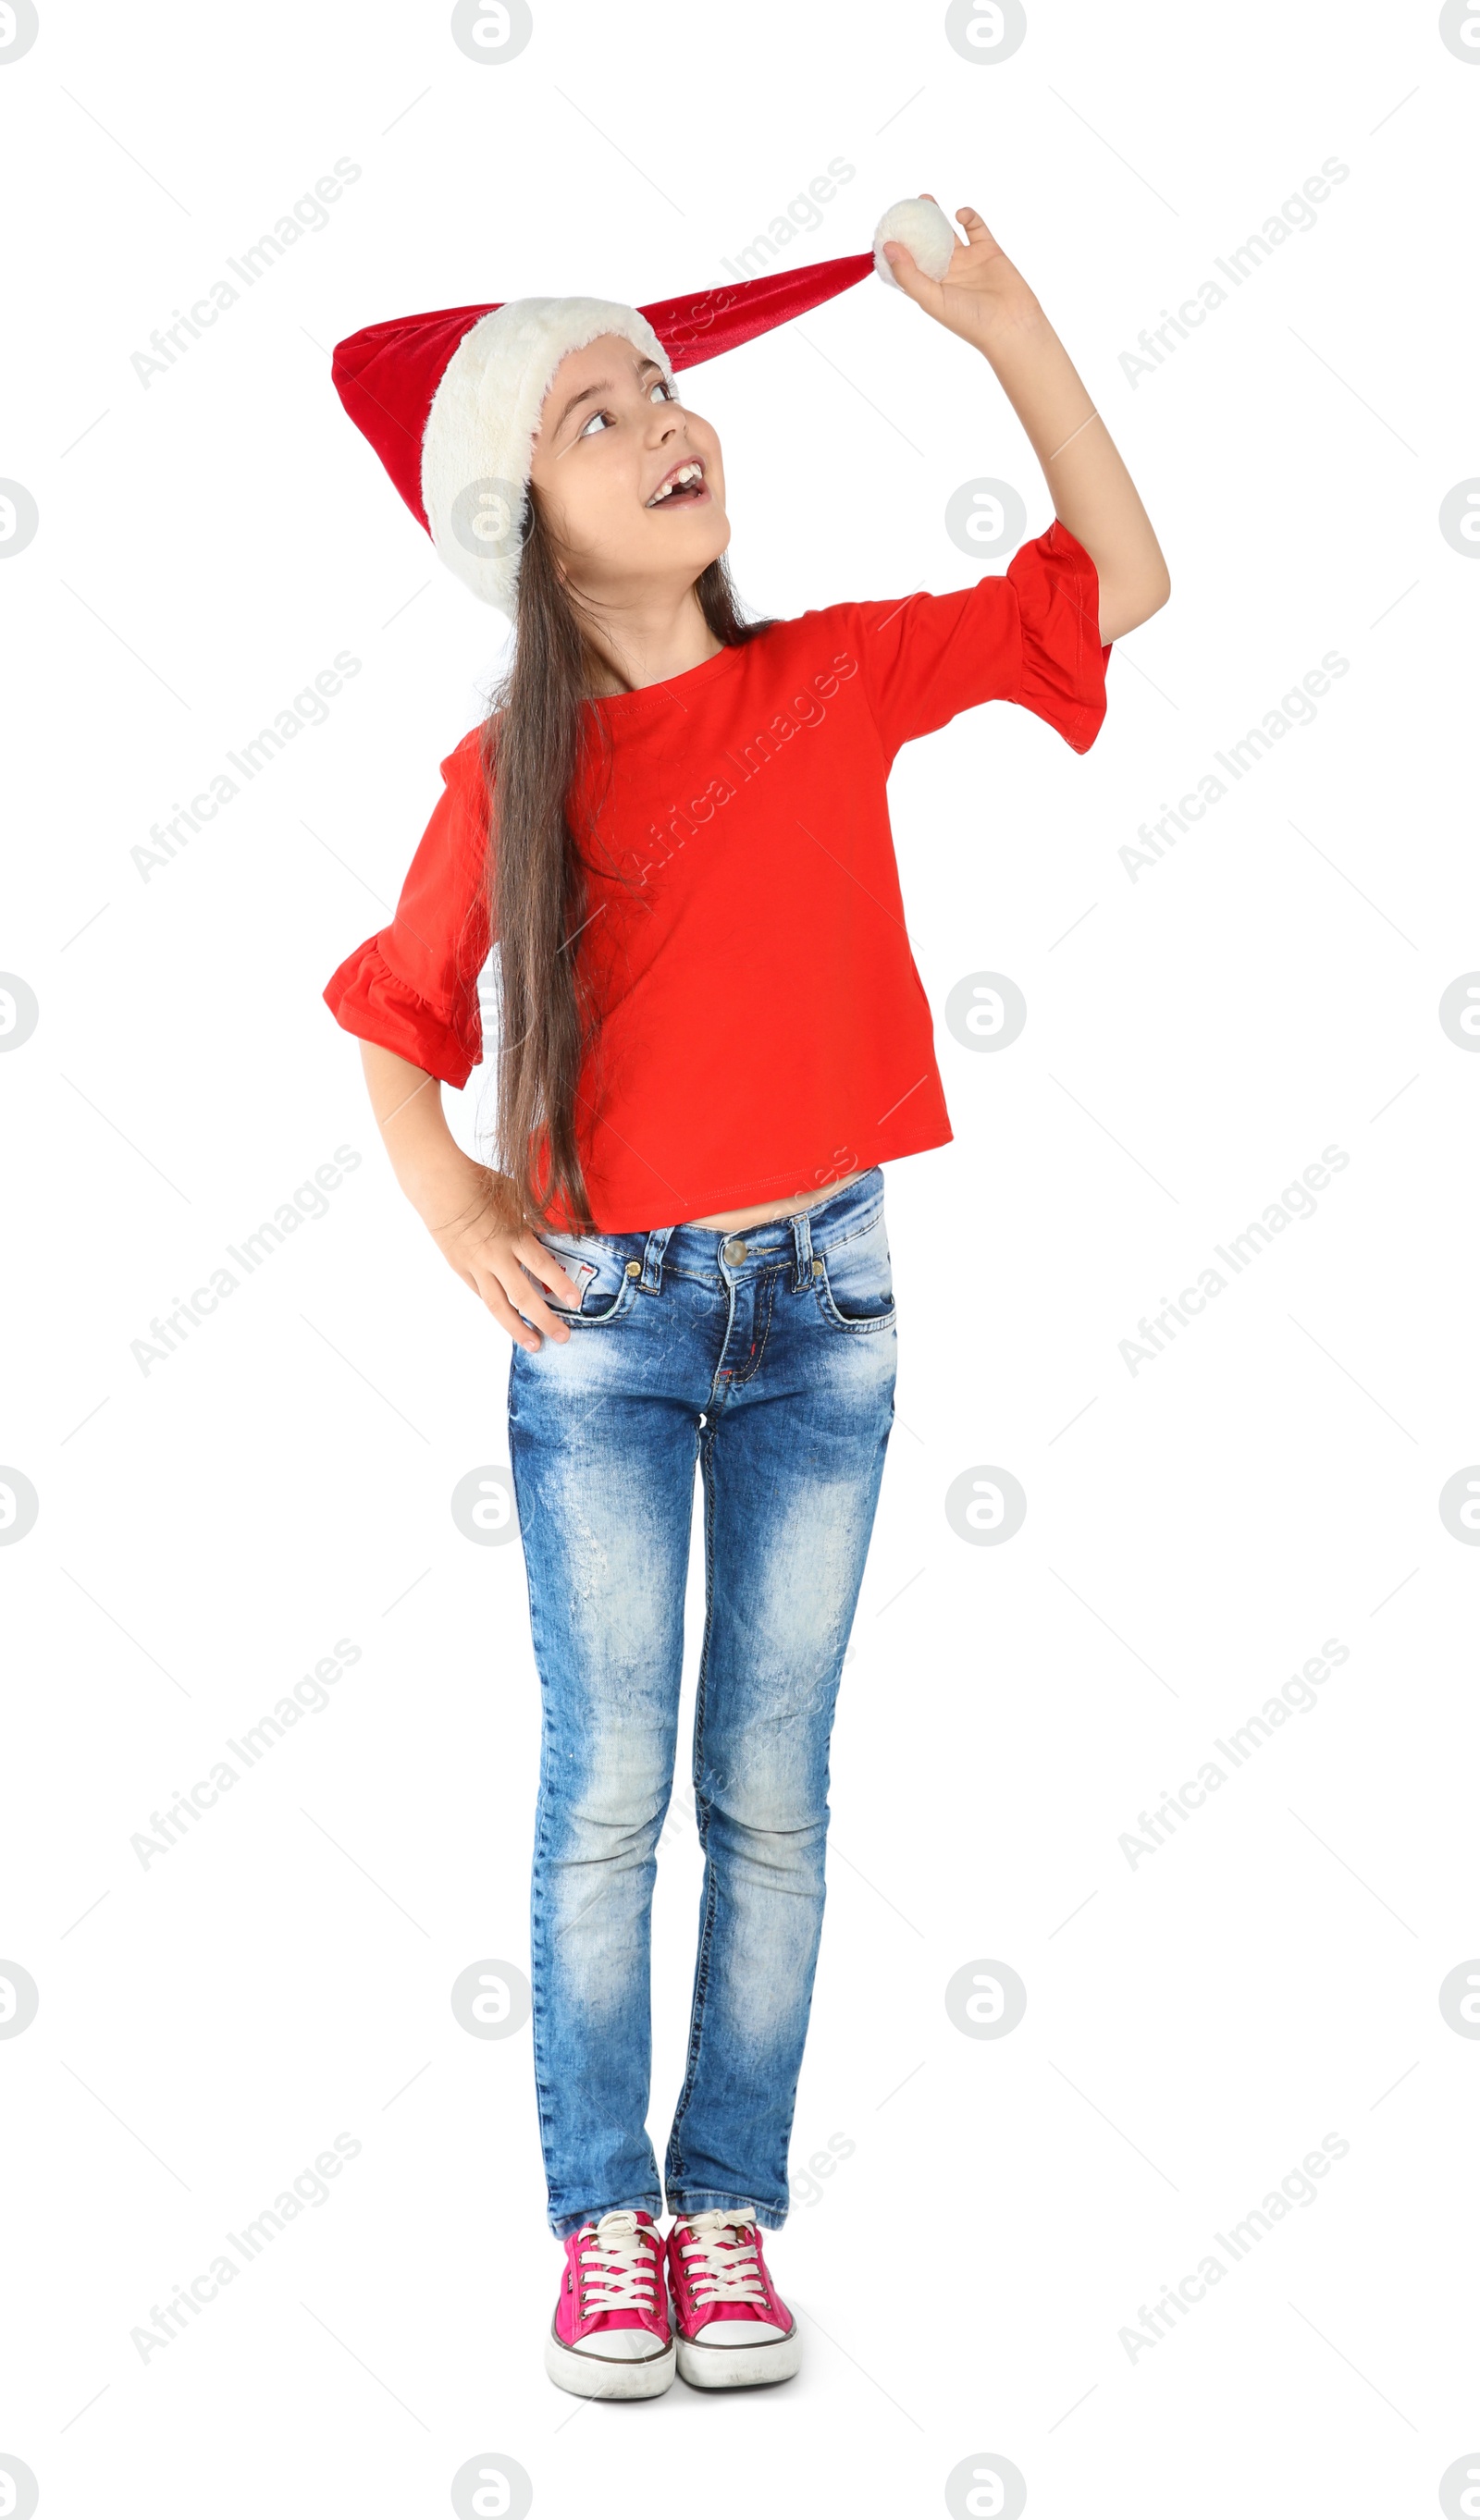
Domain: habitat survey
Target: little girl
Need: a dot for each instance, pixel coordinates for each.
(712, 1036)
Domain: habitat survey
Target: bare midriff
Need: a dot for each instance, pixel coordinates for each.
(732, 1220)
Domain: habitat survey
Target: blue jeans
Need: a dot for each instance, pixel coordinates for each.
(767, 1359)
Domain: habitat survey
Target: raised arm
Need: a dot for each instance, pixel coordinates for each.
(987, 301)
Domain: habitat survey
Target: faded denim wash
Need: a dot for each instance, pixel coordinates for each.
(773, 1372)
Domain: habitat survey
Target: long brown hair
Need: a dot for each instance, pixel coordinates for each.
(541, 730)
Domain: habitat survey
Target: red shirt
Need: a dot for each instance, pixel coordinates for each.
(748, 798)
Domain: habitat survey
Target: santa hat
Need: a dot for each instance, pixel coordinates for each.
(451, 401)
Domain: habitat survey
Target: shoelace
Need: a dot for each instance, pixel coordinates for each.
(619, 2271)
(720, 2257)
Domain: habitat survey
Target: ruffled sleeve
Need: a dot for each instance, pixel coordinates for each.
(413, 987)
(1063, 664)
(1031, 636)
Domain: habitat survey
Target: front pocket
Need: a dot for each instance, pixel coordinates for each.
(853, 1283)
(607, 1293)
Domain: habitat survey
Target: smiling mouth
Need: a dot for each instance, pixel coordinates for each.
(685, 486)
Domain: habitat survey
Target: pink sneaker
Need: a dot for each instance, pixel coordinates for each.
(734, 2331)
(610, 2335)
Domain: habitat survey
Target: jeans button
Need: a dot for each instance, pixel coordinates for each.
(735, 1251)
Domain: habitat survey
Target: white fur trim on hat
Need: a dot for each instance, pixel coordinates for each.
(479, 434)
(924, 229)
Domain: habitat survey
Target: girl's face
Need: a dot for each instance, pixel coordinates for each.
(611, 441)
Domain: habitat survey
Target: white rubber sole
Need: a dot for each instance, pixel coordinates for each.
(739, 2366)
(595, 2375)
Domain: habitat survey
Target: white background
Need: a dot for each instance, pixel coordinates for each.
(1195, 1530)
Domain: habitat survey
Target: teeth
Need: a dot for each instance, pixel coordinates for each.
(685, 473)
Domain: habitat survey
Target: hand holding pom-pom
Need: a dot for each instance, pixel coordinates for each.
(973, 288)
(922, 226)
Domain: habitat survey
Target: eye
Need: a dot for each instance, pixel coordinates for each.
(603, 416)
(664, 387)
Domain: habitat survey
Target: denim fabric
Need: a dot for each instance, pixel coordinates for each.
(774, 1373)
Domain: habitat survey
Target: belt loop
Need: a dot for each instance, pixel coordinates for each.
(652, 1258)
(801, 1236)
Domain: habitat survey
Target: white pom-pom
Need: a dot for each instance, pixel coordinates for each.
(922, 226)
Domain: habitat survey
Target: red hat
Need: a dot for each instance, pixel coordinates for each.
(451, 401)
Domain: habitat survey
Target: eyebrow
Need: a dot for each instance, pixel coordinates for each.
(602, 385)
